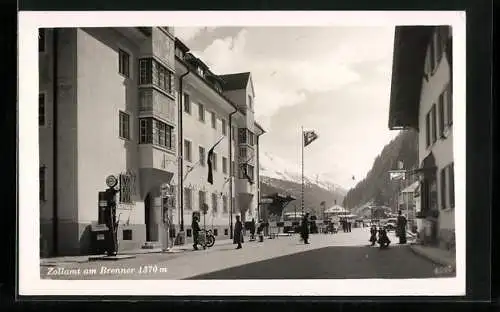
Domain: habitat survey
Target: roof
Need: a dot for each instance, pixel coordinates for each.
(236, 81)
(260, 127)
(410, 47)
(181, 45)
(336, 208)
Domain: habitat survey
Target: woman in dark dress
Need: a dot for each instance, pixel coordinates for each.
(304, 229)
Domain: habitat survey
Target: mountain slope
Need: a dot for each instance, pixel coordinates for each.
(377, 186)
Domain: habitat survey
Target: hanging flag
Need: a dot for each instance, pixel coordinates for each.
(210, 155)
(244, 168)
(309, 137)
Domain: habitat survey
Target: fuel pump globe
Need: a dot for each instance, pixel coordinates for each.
(111, 181)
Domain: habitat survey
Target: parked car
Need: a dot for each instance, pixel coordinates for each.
(390, 226)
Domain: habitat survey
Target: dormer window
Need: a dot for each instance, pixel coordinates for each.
(201, 72)
(217, 87)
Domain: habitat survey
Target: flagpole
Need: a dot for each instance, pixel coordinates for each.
(302, 179)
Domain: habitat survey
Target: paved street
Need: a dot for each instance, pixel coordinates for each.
(342, 255)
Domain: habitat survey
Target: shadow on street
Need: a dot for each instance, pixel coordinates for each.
(353, 262)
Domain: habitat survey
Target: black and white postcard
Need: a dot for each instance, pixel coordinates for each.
(242, 153)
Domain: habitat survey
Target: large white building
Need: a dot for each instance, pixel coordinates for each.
(133, 102)
(421, 99)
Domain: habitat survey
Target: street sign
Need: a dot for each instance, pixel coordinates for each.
(397, 174)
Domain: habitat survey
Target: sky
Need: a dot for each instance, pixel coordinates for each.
(334, 80)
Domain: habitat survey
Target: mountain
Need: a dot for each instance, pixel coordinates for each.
(279, 176)
(279, 169)
(377, 187)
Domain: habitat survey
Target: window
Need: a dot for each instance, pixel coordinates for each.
(427, 130)
(146, 131)
(251, 138)
(443, 188)
(201, 112)
(126, 188)
(250, 172)
(214, 162)
(433, 123)
(201, 199)
(214, 202)
(152, 72)
(451, 184)
(42, 178)
(188, 205)
(242, 135)
(441, 114)
(153, 131)
(41, 109)
(127, 234)
(213, 120)
(187, 103)
(187, 150)
(124, 125)
(124, 63)
(250, 101)
(41, 40)
(223, 126)
(224, 204)
(224, 165)
(202, 155)
(243, 153)
(200, 71)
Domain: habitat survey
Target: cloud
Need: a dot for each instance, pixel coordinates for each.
(279, 81)
(188, 33)
(335, 80)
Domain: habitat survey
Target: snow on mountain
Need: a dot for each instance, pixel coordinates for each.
(278, 168)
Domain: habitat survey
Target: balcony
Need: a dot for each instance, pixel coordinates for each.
(157, 165)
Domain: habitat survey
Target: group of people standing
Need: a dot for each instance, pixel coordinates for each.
(346, 225)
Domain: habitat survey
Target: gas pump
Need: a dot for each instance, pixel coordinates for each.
(107, 217)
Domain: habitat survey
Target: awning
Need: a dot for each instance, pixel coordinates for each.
(151, 179)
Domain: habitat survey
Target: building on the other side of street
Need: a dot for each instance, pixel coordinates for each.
(421, 99)
(108, 105)
(407, 202)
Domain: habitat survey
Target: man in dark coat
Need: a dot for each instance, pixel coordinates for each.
(195, 227)
(304, 229)
(252, 229)
(401, 228)
(238, 235)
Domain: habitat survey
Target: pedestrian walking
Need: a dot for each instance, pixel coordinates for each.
(373, 235)
(304, 229)
(252, 229)
(401, 228)
(349, 224)
(195, 227)
(238, 232)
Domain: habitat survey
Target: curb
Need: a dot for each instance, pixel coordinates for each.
(435, 260)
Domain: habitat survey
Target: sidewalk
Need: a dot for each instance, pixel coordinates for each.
(140, 251)
(435, 254)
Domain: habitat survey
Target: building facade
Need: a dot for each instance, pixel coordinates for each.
(110, 104)
(421, 98)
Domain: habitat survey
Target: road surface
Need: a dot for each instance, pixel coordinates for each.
(342, 256)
